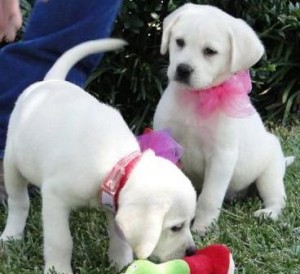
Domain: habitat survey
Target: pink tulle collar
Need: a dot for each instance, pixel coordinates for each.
(231, 97)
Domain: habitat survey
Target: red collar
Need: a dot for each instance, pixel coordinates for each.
(116, 179)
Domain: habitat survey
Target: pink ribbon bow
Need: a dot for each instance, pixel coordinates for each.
(231, 97)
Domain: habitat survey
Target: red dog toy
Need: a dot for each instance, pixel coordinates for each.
(214, 259)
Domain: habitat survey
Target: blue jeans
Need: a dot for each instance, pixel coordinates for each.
(54, 27)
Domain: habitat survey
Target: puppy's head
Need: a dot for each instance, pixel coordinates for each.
(156, 208)
(207, 45)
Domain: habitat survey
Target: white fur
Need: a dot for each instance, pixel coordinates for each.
(222, 154)
(231, 265)
(63, 140)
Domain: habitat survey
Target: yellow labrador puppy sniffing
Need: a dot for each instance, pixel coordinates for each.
(80, 152)
(207, 108)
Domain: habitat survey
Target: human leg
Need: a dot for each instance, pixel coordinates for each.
(54, 27)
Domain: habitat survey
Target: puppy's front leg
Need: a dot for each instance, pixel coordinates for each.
(218, 174)
(120, 253)
(57, 237)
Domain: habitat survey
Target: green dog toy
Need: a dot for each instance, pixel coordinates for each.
(146, 267)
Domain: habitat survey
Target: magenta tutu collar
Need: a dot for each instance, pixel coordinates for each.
(231, 97)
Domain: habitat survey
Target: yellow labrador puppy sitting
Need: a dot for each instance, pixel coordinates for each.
(63, 140)
(207, 108)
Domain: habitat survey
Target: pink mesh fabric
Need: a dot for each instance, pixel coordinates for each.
(161, 143)
(231, 97)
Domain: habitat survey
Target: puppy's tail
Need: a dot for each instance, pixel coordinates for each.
(289, 160)
(64, 64)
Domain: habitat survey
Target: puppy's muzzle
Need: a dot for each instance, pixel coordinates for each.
(190, 251)
(183, 73)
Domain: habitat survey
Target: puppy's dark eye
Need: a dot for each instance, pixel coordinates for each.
(180, 42)
(177, 228)
(209, 52)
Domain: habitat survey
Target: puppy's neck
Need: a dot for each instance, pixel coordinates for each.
(116, 180)
(230, 97)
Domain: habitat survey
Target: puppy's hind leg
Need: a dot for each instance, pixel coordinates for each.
(120, 253)
(18, 202)
(270, 187)
(58, 242)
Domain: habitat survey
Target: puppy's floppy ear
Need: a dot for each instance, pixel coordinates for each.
(168, 24)
(142, 225)
(246, 48)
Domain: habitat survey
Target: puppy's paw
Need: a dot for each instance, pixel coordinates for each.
(120, 264)
(49, 268)
(267, 213)
(204, 220)
(5, 237)
(119, 261)
(200, 229)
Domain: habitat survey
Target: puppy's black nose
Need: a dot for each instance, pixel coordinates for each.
(190, 251)
(183, 72)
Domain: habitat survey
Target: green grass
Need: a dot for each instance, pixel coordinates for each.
(258, 246)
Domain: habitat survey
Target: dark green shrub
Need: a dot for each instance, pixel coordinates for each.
(276, 90)
(134, 79)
